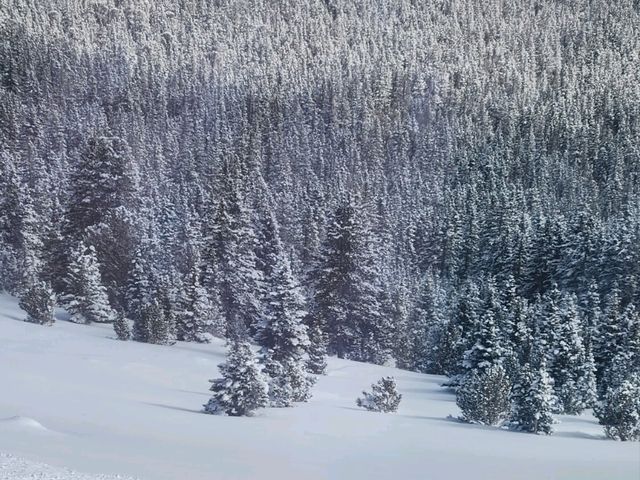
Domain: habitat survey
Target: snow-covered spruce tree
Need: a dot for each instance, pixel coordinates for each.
(317, 351)
(347, 290)
(149, 304)
(587, 385)
(487, 349)
(568, 369)
(140, 291)
(611, 334)
(619, 411)
(243, 387)
(282, 333)
(384, 396)
(466, 320)
(85, 297)
(591, 314)
(532, 401)
(426, 326)
(484, 396)
(153, 326)
(39, 301)
(196, 314)
(229, 255)
(121, 326)
(102, 197)
(22, 229)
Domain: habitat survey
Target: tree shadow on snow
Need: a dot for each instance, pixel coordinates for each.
(192, 392)
(582, 435)
(172, 407)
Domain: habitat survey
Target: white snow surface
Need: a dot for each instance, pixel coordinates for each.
(74, 399)
(13, 468)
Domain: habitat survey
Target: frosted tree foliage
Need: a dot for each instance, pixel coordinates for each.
(86, 297)
(619, 411)
(243, 388)
(39, 302)
(484, 396)
(532, 401)
(384, 397)
(121, 327)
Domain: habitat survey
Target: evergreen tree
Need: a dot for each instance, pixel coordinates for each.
(426, 327)
(197, 311)
(465, 319)
(85, 297)
(121, 327)
(317, 351)
(103, 190)
(39, 301)
(282, 333)
(347, 291)
(532, 401)
(151, 325)
(242, 388)
(591, 315)
(141, 290)
(384, 396)
(568, 362)
(484, 395)
(230, 256)
(619, 411)
(487, 350)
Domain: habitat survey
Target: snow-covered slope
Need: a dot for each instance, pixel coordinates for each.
(73, 397)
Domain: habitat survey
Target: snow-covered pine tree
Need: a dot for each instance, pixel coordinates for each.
(522, 335)
(197, 312)
(484, 396)
(243, 387)
(619, 411)
(547, 323)
(591, 314)
(39, 301)
(466, 316)
(102, 199)
(282, 333)
(121, 326)
(569, 358)
(587, 385)
(347, 290)
(229, 255)
(426, 325)
(384, 396)
(611, 333)
(141, 290)
(317, 351)
(532, 401)
(85, 297)
(160, 327)
(487, 350)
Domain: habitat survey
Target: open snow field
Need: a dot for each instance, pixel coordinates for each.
(77, 400)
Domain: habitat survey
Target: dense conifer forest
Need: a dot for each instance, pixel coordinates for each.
(450, 185)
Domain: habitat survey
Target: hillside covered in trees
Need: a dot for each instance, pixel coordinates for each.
(450, 185)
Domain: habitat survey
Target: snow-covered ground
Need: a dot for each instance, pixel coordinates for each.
(14, 468)
(72, 397)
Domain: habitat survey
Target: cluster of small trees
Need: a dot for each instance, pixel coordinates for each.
(490, 398)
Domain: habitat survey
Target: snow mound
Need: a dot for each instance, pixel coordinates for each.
(14, 468)
(25, 423)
